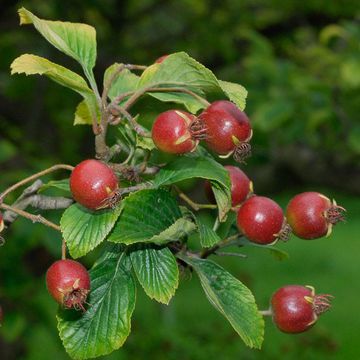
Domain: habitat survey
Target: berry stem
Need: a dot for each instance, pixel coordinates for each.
(33, 177)
(33, 218)
(266, 312)
(195, 206)
(63, 249)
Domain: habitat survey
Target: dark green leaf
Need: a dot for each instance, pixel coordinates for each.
(232, 298)
(150, 216)
(208, 237)
(157, 271)
(195, 166)
(105, 325)
(83, 229)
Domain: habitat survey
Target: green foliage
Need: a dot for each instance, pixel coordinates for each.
(105, 325)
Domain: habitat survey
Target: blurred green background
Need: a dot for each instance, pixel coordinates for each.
(300, 62)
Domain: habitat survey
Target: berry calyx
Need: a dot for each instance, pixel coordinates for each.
(296, 308)
(161, 59)
(262, 220)
(312, 215)
(241, 186)
(228, 130)
(176, 132)
(94, 185)
(68, 282)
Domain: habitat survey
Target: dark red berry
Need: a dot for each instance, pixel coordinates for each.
(296, 308)
(241, 186)
(94, 185)
(176, 132)
(68, 282)
(1, 315)
(228, 129)
(161, 59)
(311, 215)
(262, 220)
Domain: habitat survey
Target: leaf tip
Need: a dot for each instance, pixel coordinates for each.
(24, 16)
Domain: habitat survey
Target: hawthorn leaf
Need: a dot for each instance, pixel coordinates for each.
(151, 216)
(58, 184)
(75, 40)
(105, 325)
(235, 92)
(157, 271)
(197, 166)
(83, 229)
(231, 298)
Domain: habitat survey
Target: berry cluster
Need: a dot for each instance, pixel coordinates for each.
(222, 125)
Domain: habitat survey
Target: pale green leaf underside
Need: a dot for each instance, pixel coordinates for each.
(32, 64)
(231, 298)
(150, 216)
(105, 325)
(125, 81)
(75, 40)
(157, 271)
(235, 92)
(58, 184)
(84, 112)
(83, 230)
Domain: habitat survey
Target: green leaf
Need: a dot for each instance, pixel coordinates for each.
(150, 216)
(31, 64)
(105, 325)
(75, 40)
(208, 237)
(235, 92)
(125, 81)
(195, 166)
(274, 251)
(145, 143)
(157, 271)
(84, 112)
(58, 184)
(231, 298)
(83, 229)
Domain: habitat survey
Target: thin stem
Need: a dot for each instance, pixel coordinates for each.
(231, 240)
(63, 249)
(33, 218)
(135, 67)
(93, 85)
(230, 254)
(136, 95)
(33, 177)
(216, 223)
(266, 312)
(195, 206)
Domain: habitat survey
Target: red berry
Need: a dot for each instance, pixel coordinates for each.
(311, 215)
(296, 308)
(1, 315)
(161, 59)
(262, 220)
(68, 282)
(241, 186)
(94, 184)
(228, 129)
(176, 132)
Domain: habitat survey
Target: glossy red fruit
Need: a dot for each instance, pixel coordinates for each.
(311, 215)
(241, 186)
(296, 308)
(262, 220)
(228, 129)
(176, 132)
(94, 185)
(68, 282)
(161, 59)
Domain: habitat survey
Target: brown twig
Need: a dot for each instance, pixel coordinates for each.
(33, 177)
(33, 218)
(195, 206)
(231, 240)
